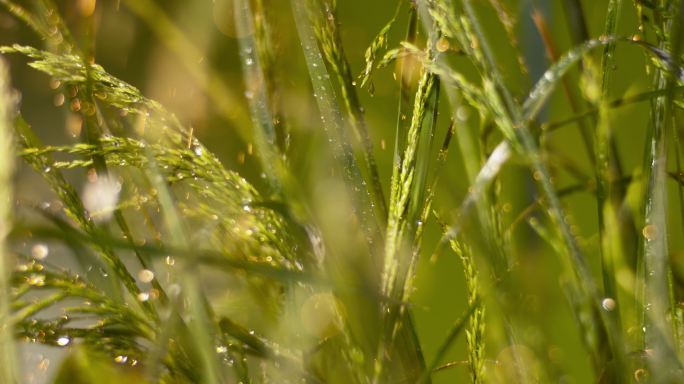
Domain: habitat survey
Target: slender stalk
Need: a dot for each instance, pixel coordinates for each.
(656, 278)
(8, 359)
(608, 167)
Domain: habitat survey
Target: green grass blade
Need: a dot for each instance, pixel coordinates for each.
(256, 93)
(330, 40)
(8, 359)
(658, 335)
(331, 119)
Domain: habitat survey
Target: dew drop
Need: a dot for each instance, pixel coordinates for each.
(121, 359)
(174, 290)
(36, 280)
(143, 296)
(145, 275)
(442, 44)
(608, 304)
(100, 197)
(40, 251)
(649, 232)
(63, 341)
(462, 113)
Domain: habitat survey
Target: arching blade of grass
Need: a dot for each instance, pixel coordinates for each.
(8, 360)
(514, 123)
(552, 54)
(530, 109)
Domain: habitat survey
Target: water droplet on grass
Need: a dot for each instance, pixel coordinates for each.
(143, 296)
(650, 232)
(608, 304)
(100, 197)
(146, 275)
(63, 341)
(40, 251)
(36, 280)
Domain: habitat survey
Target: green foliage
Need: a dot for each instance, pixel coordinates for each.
(174, 264)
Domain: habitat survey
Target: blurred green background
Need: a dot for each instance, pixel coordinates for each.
(129, 49)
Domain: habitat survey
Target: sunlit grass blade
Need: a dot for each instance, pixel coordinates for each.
(404, 212)
(331, 119)
(329, 37)
(256, 93)
(551, 52)
(656, 276)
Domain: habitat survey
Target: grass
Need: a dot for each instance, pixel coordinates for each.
(273, 238)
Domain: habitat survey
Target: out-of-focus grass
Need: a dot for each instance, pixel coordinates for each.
(323, 191)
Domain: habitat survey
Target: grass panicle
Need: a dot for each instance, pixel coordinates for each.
(137, 253)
